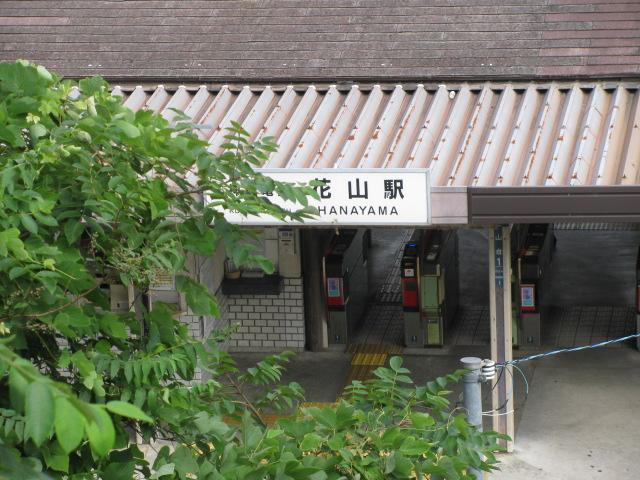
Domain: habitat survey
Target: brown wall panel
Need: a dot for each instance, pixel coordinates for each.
(553, 204)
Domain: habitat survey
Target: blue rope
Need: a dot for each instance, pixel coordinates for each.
(567, 350)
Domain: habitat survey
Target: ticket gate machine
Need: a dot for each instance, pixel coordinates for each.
(532, 264)
(429, 276)
(346, 283)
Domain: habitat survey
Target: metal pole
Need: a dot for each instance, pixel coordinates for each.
(472, 398)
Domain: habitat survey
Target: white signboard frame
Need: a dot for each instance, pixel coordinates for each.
(355, 197)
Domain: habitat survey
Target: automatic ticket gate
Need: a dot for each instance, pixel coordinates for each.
(346, 283)
(429, 276)
(533, 258)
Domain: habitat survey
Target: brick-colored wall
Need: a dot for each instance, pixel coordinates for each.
(268, 322)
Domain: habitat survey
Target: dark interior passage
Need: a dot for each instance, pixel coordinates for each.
(471, 326)
(590, 286)
(473, 248)
(588, 294)
(592, 267)
(382, 319)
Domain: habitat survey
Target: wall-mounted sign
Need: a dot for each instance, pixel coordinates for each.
(286, 238)
(527, 298)
(333, 287)
(499, 266)
(357, 196)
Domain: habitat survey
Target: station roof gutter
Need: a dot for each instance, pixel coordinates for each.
(522, 152)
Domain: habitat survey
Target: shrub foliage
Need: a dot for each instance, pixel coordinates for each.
(93, 194)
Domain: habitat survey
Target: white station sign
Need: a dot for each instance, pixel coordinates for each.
(356, 197)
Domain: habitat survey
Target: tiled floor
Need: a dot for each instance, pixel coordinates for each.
(573, 326)
(382, 322)
(562, 326)
(470, 328)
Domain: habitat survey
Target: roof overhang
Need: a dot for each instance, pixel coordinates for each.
(553, 204)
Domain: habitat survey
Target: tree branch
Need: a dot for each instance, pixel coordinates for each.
(247, 402)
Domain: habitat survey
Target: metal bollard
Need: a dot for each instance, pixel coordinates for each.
(472, 397)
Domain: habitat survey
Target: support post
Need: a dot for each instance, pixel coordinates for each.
(501, 339)
(638, 299)
(472, 398)
(314, 243)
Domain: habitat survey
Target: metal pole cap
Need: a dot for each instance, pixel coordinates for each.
(471, 363)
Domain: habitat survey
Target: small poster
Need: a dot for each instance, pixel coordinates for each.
(409, 272)
(527, 297)
(333, 287)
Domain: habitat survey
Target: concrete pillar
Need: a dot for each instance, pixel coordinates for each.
(501, 340)
(314, 243)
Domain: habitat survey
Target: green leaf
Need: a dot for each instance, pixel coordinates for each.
(164, 470)
(161, 317)
(265, 264)
(39, 412)
(49, 280)
(18, 386)
(395, 363)
(198, 297)
(113, 325)
(92, 85)
(47, 220)
(185, 462)
(16, 272)
(82, 363)
(421, 420)
(59, 462)
(128, 371)
(127, 128)
(311, 441)
(72, 231)
(274, 432)
(69, 425)
(100, 431)
(38, 130)
(202, 243)
(125, 409)
(119, 471)
(29, 223)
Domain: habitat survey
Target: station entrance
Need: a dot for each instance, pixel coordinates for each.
(571, 284)
(592, 285)
(362, 280)
(391, 286)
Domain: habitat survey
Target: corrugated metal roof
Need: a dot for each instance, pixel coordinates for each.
(468, 135)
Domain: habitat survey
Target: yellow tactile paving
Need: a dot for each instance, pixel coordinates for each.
(271, 418)
(366, 358)
(369, 359)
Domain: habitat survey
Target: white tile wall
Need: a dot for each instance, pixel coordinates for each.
(268, 322)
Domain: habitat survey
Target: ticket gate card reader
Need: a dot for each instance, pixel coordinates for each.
(337, 301)
(533, 260)
(435, 260)
(410, 284)
(346, 284)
